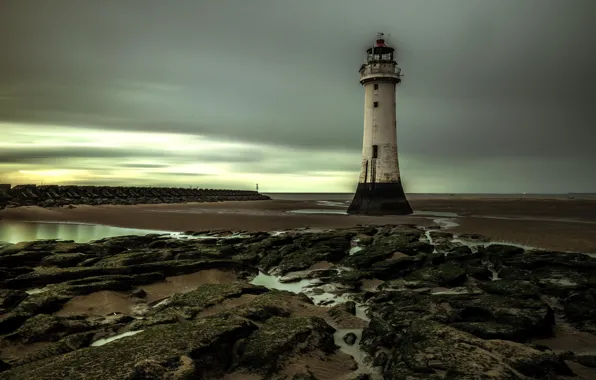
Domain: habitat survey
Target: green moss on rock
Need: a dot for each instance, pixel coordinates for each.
(279, 338)
(207, 342)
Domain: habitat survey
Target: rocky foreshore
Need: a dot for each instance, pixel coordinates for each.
(55, 195)
(391, 302)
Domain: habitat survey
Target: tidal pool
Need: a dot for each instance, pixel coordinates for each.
(17, 231)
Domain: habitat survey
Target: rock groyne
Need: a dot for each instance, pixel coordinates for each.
(55, 195)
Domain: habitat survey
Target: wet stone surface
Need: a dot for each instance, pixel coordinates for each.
(296, 305)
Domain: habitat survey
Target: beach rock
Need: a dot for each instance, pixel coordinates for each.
(10, 298)
(556, 273)
(499, 252)
(407, 242)
(64, 259)
(52, 275)
(429, 349)
(511, 288)
(447, 275)
(48, 301)
(587, 359)
(138, 293)
(207, 342)
(280, 338)
(45, 327)
(475, 238)
(478, 270)
(274, 303)
(395, 268)
(350, 338)
(304, 376)
(366, 257)
(484, 315)
(183, 306)
(380, 360)
(350, 280)
(461, 253)
(23, 258)
(54, 195)
(309, 249)
(439, 237)
(11, 321)
(348, 307)
(580, 309)
(4, 366)
(110, 282)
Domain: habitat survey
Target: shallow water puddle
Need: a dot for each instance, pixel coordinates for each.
(360, 357)
(333, 203)
(435, 213)
(273, 282)
(101, 342)
(354, 250)
(475, 244)
(319, 211)
(361, 312)
(446, 222)
(36, 290)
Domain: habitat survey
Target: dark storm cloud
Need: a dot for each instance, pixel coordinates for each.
(40, 155)
(483, 80)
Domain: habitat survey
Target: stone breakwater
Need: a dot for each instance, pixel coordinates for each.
(157, 307)
(54, 195)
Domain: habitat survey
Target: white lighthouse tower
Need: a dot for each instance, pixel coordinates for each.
(380, 190)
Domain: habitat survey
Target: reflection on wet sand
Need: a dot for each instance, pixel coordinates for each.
(101, 303)
(18, 231)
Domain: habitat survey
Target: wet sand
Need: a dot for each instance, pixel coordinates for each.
(106, 302)
(557, 224)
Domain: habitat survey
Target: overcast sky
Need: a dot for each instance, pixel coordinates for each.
(498, 96)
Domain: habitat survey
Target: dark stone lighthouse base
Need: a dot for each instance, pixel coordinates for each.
(380, 199)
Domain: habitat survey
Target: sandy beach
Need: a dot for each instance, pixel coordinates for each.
(548, 223)
(167, 297)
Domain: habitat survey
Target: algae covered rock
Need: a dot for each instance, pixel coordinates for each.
(279, 338)
(511, 288)
(45, 327)
(207, 342)
(10, 298)
(443, 275)
(580, 309)
(308, 249)
(274, 303)
(182, 306)
(395, 268)
(64, 259)
(430, 350)
(484, 315)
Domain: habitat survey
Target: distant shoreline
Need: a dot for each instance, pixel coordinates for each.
(420, 196)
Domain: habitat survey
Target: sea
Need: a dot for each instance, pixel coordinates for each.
(413, 196)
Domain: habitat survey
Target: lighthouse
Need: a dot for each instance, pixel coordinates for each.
(380, 190)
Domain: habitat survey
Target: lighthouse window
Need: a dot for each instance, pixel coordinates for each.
(376, 86)
(375, 152)
(376, 104)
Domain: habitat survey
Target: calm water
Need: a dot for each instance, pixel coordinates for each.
(413, 196)
(17, 231)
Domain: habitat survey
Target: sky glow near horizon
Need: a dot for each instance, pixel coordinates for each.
(497, 97)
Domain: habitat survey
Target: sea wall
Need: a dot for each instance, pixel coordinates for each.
(55, 195)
